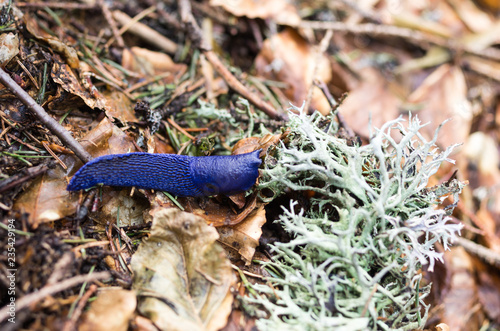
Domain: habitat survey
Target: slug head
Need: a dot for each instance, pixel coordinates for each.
(225, 174)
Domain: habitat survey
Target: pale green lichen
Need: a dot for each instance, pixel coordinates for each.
(355, 256)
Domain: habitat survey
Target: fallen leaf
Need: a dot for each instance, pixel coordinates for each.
(9, 47)
(373, 98)
(459, 311)
(55, 44)
(442, 96)
(288, 58)
(151, 63)
(243, 238)
(182, 275)
(281, 11)
(119, 106)
(118, 206)
(63, 75)
(112, 310)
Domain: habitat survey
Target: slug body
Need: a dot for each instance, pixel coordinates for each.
(179, 175)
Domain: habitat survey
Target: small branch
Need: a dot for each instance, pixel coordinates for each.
(22, 177)
(35, 297)
(132, 25)
(489, 256)
(45, 118)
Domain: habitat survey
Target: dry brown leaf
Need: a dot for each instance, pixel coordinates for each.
(288, 58)
(55, 44)
(247, 145)
(151, 63)
(489, 290)
(112, 310)
(46, 199)
(372, 97)
(64, 76)
(459, 304)
(182, 275)
(442, 96)
(243, 237)
(119, 106)
(119, 207)
(218, 214)
(281, 11)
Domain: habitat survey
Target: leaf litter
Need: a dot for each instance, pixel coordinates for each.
(438, 60)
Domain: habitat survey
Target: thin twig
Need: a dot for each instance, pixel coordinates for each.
(319, 51)
(111, 22)
(58, 5)
(486, 254)
(22, 177)
(420, 38)
(35, 297)
(70, 325)
(144, 32)
(196, 36)
(45, 118)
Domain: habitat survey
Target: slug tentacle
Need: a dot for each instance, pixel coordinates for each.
(177, 174)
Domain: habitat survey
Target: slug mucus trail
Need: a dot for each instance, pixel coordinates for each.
(179, 175)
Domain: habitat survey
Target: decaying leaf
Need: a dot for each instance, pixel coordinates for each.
(372, 98)
(182, 275)
(458, 305)
(112, 310)
(64, 76)
(251, 144)
(56, 44)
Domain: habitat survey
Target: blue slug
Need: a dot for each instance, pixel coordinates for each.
(179, 175)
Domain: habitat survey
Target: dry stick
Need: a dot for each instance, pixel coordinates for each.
(70, 325)
(320, 49)
(111, 22)
(394, 31)
(334, 105)
(47, 290)
(58, 5)
(22, 177)
(196, 35)
(45, 118)
(143, 31)
(486, 254)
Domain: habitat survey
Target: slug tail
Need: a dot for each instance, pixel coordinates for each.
(162, 172)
